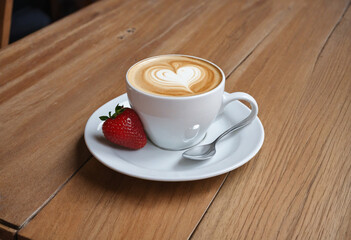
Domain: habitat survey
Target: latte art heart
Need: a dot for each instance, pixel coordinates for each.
(183, 77)
(173, 75)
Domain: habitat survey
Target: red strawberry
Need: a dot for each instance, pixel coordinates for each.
(124, 128)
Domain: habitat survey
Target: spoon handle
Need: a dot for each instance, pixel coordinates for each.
(248, 119)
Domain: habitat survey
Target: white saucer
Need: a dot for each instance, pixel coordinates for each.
(153, 163)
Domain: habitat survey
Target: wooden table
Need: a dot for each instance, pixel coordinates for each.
(293, 56)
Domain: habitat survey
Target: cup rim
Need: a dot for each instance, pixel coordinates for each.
(175, 97)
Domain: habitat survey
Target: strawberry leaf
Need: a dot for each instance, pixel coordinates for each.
(118, 110)
(103, 118)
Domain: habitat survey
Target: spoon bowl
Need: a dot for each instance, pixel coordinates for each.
(203, 152)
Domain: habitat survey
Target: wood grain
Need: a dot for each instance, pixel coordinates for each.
(102, 204)
(59, 76)
(292, 56)
(7, 233)
(299, 187)
(55, 86)
(5, 21)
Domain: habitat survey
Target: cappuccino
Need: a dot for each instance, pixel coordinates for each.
(174, 75)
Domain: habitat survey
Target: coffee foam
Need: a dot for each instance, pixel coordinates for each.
(173, 75)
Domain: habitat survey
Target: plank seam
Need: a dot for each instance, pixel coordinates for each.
(52, 195)
(8, 224)
(250, 53)
(329, 35)
(208, 207)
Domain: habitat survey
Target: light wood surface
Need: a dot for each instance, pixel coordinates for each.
(95, 75)
(5, 21)
(102, 204)
(299, 187)
(35, 74)
(292, 56)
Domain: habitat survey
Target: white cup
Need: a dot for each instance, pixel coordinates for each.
(177, 123)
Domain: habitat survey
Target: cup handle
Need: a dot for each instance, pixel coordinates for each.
(230, 97)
